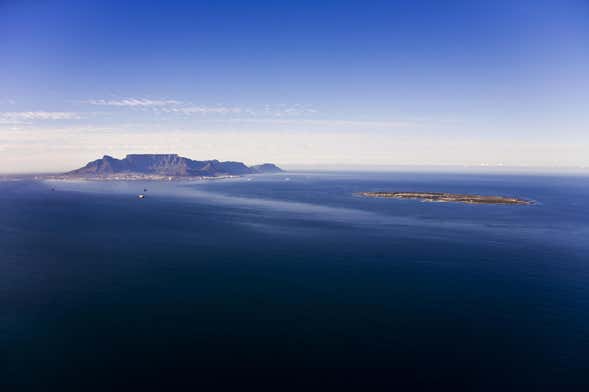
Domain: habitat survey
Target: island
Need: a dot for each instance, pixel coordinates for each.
(449, 197)
(163, 167)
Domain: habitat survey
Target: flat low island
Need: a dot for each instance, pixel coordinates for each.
(449, 197)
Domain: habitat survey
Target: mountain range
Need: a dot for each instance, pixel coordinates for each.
(171, 165)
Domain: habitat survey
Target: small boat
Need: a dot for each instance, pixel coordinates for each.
(144, 189)
(142, 196)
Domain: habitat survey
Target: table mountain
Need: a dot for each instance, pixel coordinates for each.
(167, 165)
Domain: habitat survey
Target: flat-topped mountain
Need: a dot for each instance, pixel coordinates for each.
(170, 165)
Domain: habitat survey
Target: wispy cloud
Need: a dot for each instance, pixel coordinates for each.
(331, 123)
(133, 102)
(261, 111)
(283, 110)
(204, 110)
(174, 106)
(18, 117)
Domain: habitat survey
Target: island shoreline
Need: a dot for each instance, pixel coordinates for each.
(443, 197)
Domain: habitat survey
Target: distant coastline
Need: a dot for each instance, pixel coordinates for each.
(132, 177)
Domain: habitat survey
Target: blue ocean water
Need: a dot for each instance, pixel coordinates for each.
(293, 271)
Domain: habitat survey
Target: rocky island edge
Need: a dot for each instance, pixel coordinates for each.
(449, 197)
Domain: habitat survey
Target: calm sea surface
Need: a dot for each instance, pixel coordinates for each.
(295, 271)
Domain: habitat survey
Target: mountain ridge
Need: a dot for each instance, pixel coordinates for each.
(172, 165)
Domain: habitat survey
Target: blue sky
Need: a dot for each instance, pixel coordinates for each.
(307, 82)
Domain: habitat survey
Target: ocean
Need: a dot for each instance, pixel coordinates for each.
(295, 274)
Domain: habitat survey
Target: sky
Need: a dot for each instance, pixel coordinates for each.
(302, 84)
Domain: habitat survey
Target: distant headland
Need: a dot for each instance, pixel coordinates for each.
(164, 167)
(449, 197)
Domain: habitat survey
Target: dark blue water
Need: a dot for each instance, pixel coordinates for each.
(261, 276)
